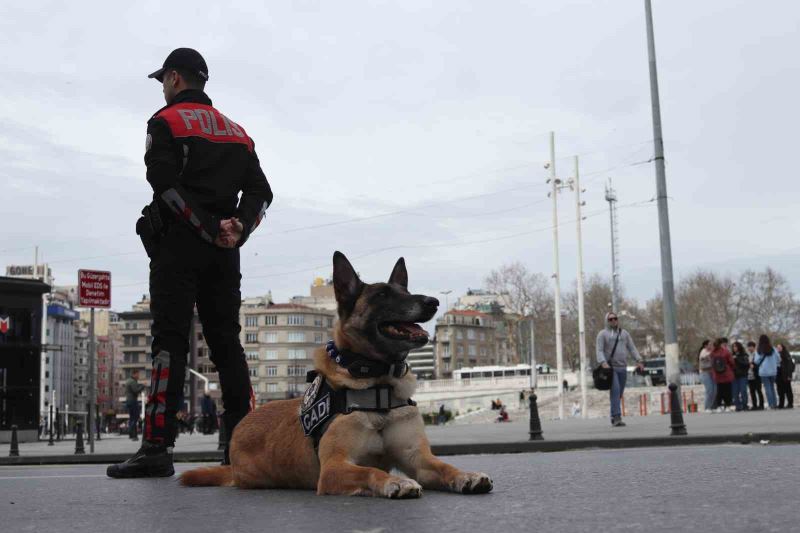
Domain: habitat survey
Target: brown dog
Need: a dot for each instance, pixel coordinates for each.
(359, 448)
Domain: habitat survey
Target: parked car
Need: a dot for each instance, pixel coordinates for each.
(657, 370)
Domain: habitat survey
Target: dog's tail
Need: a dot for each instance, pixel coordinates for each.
(210, 476)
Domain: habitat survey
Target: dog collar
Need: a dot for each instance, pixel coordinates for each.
(360, 367)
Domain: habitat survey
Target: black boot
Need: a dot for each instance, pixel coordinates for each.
(152, 460)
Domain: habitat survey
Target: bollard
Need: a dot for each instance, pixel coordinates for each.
(58, 425)
(14, 442)
(684, 402)
(222, 437)
(676, 415)
(52, 421)
(535, 432)
(646, 401)
(79, 440)
(97, 420)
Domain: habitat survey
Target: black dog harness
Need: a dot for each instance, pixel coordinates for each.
(322, 403)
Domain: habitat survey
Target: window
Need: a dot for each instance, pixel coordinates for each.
(483, 335)
(250, 338)
(271, 354)
(47, 374)
(330, 322)
(199, 336)
(471, 334)
(271, 320)
(460, 349)
(297, 336)
(483, 351)
(471, 350)
(296, 370)
(317, 338)
(296, 320)
(272, 387)
(459, 334)
(251, 321)
(446, 351)
(297, 353)
(253, 372)
(447, 365)
(318, 321)
(252, 356)
(272, 371)
(271, 337)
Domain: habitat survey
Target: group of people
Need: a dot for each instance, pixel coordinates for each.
(728, 372)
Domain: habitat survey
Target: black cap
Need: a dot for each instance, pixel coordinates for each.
(183, 58)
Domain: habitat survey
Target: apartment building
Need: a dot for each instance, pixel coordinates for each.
(422, 361)
(464, 338)
(279, 341)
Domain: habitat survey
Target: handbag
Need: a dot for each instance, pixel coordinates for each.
(604, 377)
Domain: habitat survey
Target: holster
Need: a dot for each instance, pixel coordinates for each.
(150, 228)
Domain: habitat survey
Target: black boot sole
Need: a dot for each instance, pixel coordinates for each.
(132, 474)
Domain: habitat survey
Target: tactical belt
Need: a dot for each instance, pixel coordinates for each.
(322, 403)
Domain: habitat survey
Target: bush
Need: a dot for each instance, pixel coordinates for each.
(431, 419)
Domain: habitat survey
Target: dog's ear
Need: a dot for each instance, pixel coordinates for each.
(346, 284)
(400, 274)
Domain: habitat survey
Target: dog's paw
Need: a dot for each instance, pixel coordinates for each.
(398, 487)
(472, 483)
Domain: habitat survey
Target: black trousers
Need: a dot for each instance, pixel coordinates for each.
(724, 395)
(756, 393)
(186, 271)
(785, 394)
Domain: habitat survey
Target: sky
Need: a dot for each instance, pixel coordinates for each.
(414, 129)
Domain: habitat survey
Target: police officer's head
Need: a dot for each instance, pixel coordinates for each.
(183, 69)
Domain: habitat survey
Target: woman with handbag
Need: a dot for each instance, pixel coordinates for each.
(753, 381)
(614, 346)
(767, 360)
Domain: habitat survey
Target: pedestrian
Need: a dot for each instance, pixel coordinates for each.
(613, 346)
(198, 161)
(767, 361)
(706, 375)
(521, 399)
(722, 365)
(753, 381)
(209, 411)
(741, 367)
(442, 418)
(132, 390)
(783, 380)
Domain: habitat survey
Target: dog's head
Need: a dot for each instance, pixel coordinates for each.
(379, 320)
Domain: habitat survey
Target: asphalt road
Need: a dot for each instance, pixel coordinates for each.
(710, 488)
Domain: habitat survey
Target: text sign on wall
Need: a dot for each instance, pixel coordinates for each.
(94, 288)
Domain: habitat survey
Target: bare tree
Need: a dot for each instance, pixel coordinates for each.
(769, 305)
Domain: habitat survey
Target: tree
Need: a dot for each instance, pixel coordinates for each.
(769, 305)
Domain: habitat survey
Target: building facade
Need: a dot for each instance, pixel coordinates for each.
(279, 341)
(464, 338)
(80, 372)
(59, 367)
(422, 361)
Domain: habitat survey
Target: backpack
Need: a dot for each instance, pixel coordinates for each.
(719, 365)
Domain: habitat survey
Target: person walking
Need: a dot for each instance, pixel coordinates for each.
(614, 346)
(198, 162)
(740, 369)
(722, 366)
(132, 390)
(783, 380)
(706, 375)
(753, 381)
(767, 361)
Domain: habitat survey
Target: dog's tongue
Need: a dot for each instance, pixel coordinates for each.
(408, 328)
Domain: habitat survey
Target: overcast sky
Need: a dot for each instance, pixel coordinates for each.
(441, 112)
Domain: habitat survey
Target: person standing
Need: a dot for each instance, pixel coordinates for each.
(198, 161)
(753, 381)
(132, 390)
(767, 361)
(614, 346)
(741, 367)
(706, 375)
(783, 380)
(722, 365)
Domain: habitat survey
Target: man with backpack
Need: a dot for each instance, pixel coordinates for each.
(722, 366)
(614, 346)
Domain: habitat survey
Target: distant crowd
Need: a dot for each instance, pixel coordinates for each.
(729, 373)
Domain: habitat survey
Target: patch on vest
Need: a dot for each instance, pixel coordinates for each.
(316, 415)
(311, 393)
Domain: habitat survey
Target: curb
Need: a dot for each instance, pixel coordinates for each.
(452, 449)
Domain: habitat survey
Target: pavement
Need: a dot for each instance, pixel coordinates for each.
(512, 437)
(718, 488)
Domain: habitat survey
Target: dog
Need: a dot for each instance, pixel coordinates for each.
(355, 451)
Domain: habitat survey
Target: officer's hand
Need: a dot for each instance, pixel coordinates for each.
(230, 233)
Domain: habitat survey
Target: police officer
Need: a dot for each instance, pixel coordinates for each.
(198, 161)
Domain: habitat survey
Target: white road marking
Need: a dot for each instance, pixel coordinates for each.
(48, 477)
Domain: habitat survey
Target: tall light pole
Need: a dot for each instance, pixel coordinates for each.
(556, 184)
(581, 321)
(446, 299)
(670, 327)
(611, 198)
